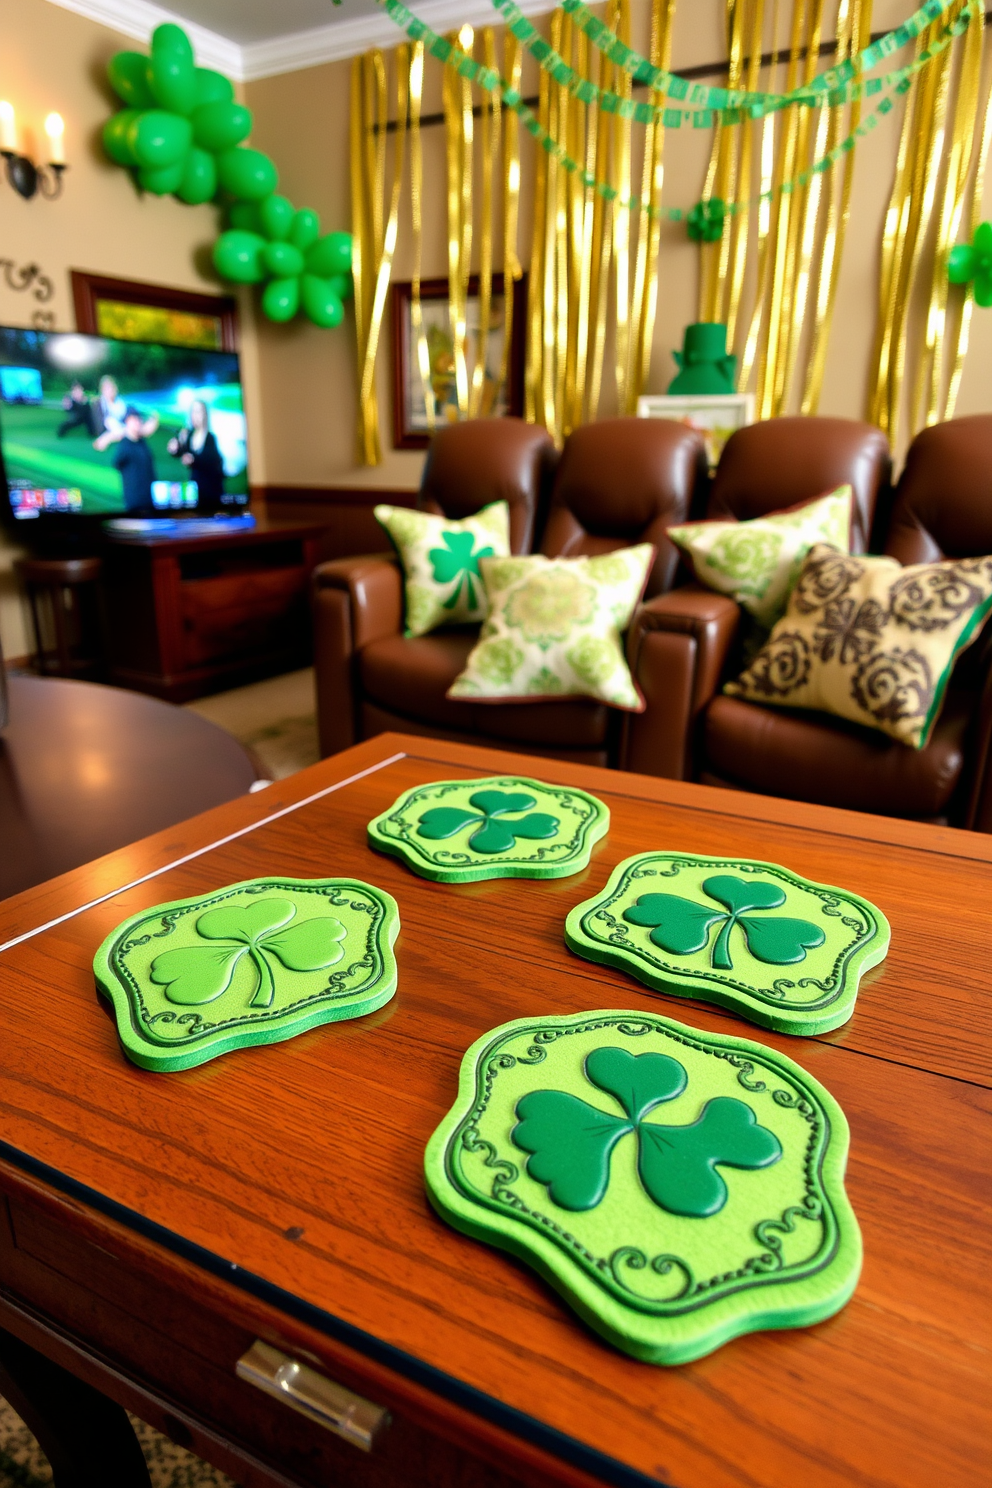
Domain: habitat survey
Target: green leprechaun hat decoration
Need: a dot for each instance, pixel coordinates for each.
(704, 363)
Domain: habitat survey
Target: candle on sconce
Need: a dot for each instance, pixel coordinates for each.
(55, 129)
(8, 127)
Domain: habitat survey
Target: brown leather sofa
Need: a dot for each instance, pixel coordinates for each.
(942, 508)
(617, 482)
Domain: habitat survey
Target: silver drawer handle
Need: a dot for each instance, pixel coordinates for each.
(313, 1395)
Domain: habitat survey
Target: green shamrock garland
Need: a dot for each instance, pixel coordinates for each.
(183, 134)
(971, 263)
(704, 223)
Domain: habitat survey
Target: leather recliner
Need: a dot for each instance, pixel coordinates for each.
(616, 483)
(942, 509)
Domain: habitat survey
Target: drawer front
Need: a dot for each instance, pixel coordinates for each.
(188, 1356)
(225, 616)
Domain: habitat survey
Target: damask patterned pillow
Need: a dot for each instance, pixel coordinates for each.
(555, 629)
(757, 562)
(441, 562)
(869, 640)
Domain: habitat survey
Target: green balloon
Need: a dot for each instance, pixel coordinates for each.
(281, 299)
(344, 285)
(116, 137)
(245, 215)
(170, 39)
(330, 255)
(276, 213)
(199, 183)
(158, 138)
(321, 303)
(128, 73)
(218, 126)
(238, 257)
(173, 81)
(210, 87)
(305, 229)
(161, 180)
(247, 174)
(283, 260)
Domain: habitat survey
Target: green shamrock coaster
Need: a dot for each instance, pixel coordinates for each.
(776, 948)
(253, 963)
(677, 1188)
(457, 831)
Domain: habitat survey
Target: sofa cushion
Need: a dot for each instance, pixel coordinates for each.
(411, 678)
(814, 757)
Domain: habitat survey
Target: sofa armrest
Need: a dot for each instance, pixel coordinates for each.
(677, 646)
(355, 601)
(978, 764)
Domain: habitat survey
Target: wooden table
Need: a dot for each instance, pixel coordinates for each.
(156, 1225)
(85, 768)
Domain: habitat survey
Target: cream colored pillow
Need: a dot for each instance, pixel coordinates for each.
(871, 641)
(555, 629)
(757, 562)
(441, 562)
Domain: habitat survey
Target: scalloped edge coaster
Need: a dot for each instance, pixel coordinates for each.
(736, 1220)
(277, 975)
(561, 825)
(795, 975)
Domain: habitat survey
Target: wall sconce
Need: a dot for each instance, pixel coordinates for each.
(22, 173)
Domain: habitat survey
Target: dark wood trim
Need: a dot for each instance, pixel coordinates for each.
(438, 289)
(277, 496)
(87, 289)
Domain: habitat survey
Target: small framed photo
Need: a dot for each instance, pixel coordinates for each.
(715, 415)
(410, 427)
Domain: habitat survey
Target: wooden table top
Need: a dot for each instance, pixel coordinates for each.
(302, 1163)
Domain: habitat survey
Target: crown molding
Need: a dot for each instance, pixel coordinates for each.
(138, 19)
(342, 39)
(260, 59)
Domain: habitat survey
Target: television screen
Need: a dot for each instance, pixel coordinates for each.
(94, 427)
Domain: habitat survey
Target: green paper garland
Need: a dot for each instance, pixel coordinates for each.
(183, 134)
(704, 223)
(971, 263)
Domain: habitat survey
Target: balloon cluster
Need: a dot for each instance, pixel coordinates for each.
(971, 263)
(180, 127)
(181, 131)
(272, 240)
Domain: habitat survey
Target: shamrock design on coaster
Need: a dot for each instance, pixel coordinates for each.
(678, 1188)
(457, 831)
(797, 971)
(492, 835)
(571, 1141)
(258, 955)
(456, 561)
(682, 926)
(193, 974)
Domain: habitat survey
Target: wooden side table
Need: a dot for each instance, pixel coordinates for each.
(64, 593)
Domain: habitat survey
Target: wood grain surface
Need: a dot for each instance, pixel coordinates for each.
(302, 1163)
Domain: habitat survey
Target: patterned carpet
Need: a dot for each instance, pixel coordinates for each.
(23, 1464)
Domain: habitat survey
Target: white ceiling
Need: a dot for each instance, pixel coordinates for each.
(258, 38)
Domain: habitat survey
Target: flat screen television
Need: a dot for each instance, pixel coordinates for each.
(94, 428)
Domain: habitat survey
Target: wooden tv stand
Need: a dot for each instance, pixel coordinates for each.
(188, 615)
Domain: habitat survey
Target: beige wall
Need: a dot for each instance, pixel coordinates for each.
(308, 375)
(53, 59)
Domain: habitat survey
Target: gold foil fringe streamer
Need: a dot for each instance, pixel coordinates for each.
(417, 230)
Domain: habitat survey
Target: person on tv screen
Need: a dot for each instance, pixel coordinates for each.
(78, 413)
(197, 447)
(108, 413)
(133, 459)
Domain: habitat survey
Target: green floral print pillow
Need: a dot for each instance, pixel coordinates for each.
(555, 629)
(758, 562)
(441, 562)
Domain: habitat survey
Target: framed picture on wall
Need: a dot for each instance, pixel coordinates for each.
(410, 428)
(715, 415)
(127, 310)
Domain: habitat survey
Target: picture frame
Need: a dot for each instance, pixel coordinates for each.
(410, 430)
(715, 415)
(129, 310)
